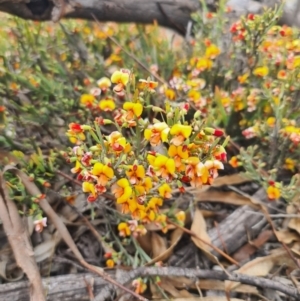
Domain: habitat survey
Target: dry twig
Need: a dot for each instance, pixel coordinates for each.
(191, 233)
(210, 274)
(20, 243)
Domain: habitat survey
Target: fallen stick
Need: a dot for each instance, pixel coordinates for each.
(73, 287)
(211, 274)
(232, 232)
(66, 287)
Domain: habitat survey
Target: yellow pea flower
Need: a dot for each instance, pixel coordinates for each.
(181, 132)
(90, 188)
(139, 286)
(212, 51)
(296, 62)
(194, 95)
(133, 109)
(124, 230)
(261, 71)
(164, 166)
(180, 216)
(147, 84)
(290, 164)
(107, 105)
(147, 184)
(178, 153)
(170, 94)
(151, 159)
(243, 78)
(120, 77)
(165, 191)
(157, 133)
(87, 100)
(122, 190)
(202, 176)
(118, 143)
(151, 215)
(196, 83)
(271, 121)
(204, 64)
(135, 173)
(234, 162)
(104, 83)
(103, 172)
(273, 192)
(197, 172)
(155, 202)
(77, 167)
(282, 74)
(110, 263)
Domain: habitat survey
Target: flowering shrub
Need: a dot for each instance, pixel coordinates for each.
(140, 140)
(144, 159)
(250, 88)
(268, 92)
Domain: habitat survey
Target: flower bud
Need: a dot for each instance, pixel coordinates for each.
(107, 255)
(31, 177)
(157, 109)
(86, 127)
(95, 148)
(43, 182)
(107, 121)
(185, 107)
(170, 115)
(157, 278)
(180, 216)
(215, 132)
